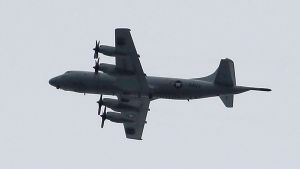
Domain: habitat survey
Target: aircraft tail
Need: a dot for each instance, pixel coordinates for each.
(225, 76)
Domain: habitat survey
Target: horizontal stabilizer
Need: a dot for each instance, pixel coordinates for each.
(227, 100)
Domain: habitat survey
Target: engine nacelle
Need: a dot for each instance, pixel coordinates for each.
(120, 118)
(118, 106)
(109, 50)
(107, 68)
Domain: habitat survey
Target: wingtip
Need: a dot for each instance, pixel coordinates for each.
(124, 29)
(227, 59)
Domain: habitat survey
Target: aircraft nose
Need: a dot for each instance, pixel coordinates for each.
(53, 82)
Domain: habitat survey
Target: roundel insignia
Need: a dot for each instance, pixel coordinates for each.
(178, 84)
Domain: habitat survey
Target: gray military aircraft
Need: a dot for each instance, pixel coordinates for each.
(134, 89)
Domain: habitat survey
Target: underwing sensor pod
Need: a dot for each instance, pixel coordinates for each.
(135, 90)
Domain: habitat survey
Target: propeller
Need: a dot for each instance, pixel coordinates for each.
(103, 116)
(97, 49)
(97, 66)
(100, 103)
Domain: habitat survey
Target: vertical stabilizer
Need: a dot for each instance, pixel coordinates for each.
(225, 74)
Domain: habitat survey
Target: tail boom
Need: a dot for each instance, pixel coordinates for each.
(241, 89)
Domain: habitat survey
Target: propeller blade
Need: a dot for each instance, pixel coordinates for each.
(96, 55)
(102, 124)
(100, 102)
(103, 116)
(99, 109)
(96, 49)
(97, 66)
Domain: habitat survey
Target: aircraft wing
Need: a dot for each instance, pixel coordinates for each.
(127, 59)
(134, 130)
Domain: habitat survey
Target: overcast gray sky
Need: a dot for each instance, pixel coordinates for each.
(41, 127)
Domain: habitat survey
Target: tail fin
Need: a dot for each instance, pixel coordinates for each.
(224, 75)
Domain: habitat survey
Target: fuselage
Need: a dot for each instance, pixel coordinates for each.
(159, 87)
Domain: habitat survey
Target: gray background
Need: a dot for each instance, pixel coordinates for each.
(41, 127)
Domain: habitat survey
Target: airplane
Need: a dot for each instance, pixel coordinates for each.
(135, 90)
